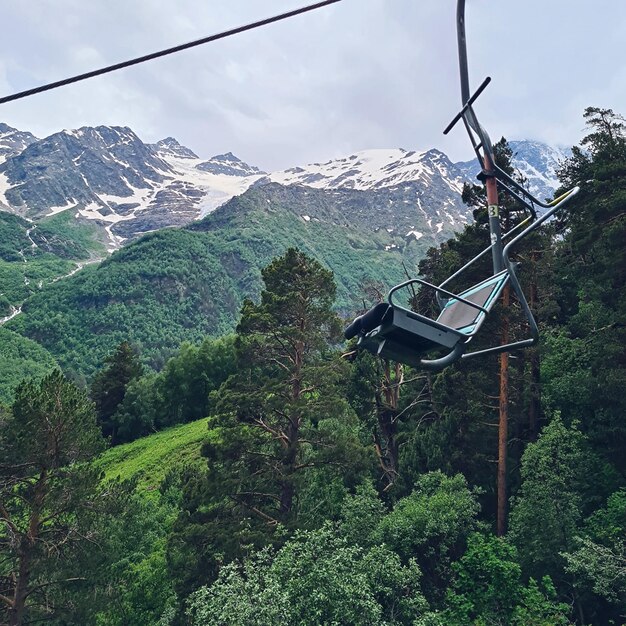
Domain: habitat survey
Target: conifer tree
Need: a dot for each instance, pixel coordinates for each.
(284, 441)
(109, 386)
(585, 371)
(46, 490)
(478, 405)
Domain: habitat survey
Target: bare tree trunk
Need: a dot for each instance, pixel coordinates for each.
(386, 419)
(503, 425)
(290, 457)
(16, 612)
(287, 489)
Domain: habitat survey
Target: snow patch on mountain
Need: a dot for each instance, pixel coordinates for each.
(215, 187)
(373, 169)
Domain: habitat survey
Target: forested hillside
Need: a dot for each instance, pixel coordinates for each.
(180, 285)
(290, 485)
(34, 255)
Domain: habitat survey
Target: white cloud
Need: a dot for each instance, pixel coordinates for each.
(359, 74)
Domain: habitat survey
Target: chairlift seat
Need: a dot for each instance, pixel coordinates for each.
(395, 332)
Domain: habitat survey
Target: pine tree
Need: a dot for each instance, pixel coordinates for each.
(47, 492)
(586, 363)
(284, 443)
(109, 386)
(479, 405)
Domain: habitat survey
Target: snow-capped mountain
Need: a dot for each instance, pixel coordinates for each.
(433, 182)
(538, 163)
(373, 169)
(229, 165)
(169, 147)
(107, 174)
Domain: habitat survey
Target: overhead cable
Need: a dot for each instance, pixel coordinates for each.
(162, 53)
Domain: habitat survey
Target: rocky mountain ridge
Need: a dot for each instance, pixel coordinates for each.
(108, 176)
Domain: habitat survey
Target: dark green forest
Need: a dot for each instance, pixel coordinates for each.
(324, 490)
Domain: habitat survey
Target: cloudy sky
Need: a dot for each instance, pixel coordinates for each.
(358, 74)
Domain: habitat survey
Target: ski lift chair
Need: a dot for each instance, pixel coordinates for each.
(395, 332)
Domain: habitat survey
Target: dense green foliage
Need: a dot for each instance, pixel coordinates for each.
(315, 490)
(318, 577)
(21, 279)
(108, 388)
(157, 293)
(488, 589)
(179, 393)
(35, 254)
(20, 358)
(282, 431)
(132, 402)
(47, 491)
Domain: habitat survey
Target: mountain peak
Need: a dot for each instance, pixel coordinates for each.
(5, 128)
(170, 147)
(227, 156)
(13, 141)
(228, 164)
(371, 169)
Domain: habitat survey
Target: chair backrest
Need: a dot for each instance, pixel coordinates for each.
(465, 318)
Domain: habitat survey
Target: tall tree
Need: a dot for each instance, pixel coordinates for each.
(284, 442)
(478, 406)
(109, 386)
(559, 485)
(284, 388)
(46, 489)
(585, 369)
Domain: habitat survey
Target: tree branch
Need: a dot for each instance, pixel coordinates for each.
(6, 518)
(6, 601)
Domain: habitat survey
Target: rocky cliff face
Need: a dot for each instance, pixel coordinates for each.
(13, 141)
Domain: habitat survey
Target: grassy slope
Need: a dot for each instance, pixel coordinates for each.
(150, 458)
(68, 237)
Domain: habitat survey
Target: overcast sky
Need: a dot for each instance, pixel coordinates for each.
(358, 74)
